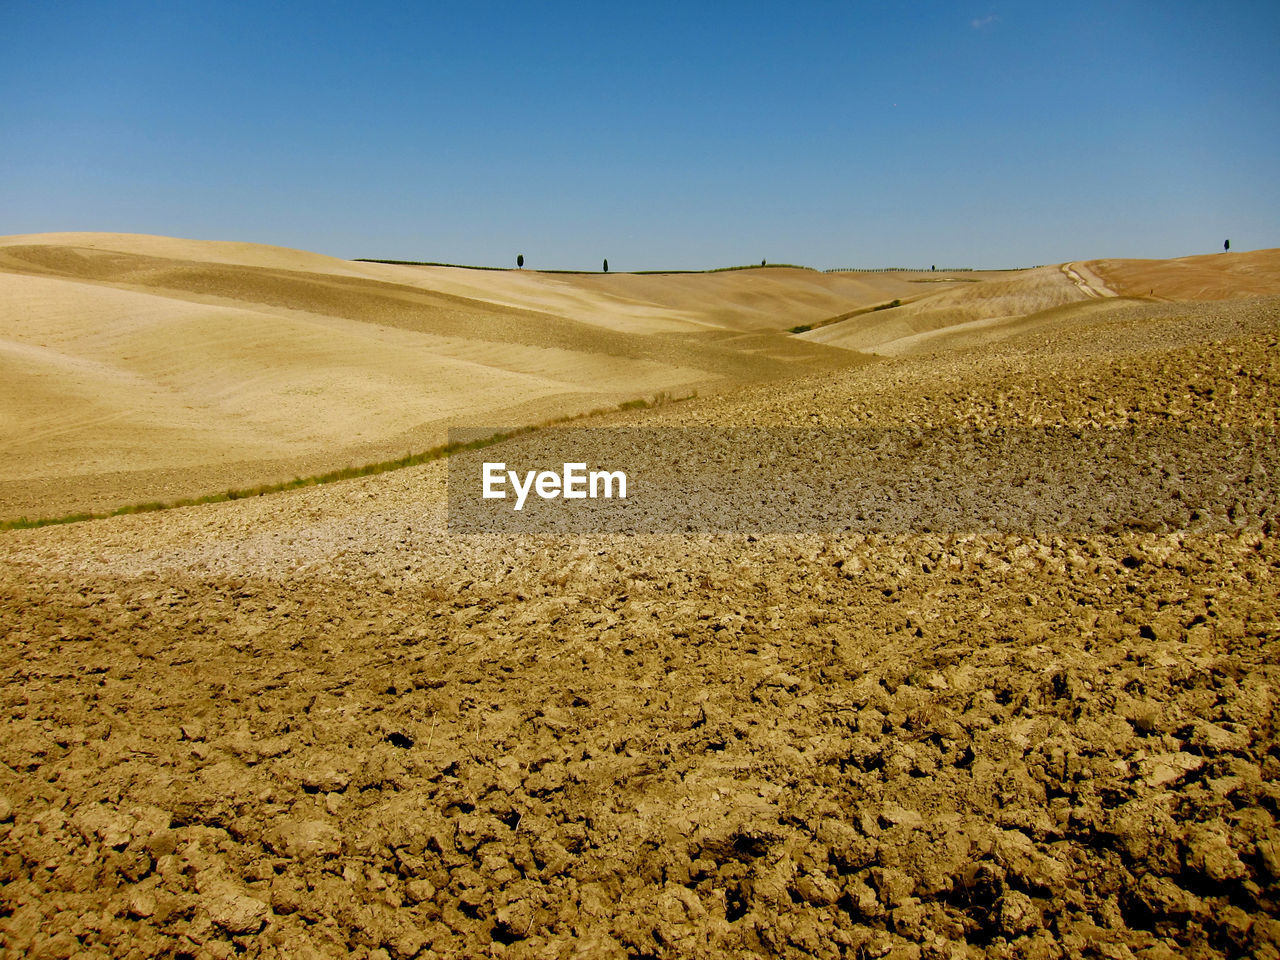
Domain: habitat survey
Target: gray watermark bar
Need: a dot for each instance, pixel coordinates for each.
(875, 480)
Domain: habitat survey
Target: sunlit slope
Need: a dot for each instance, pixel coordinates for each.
(1218, 276)
(997, 307)
(100, 379)
(193, 251)
(756, 299)
(137, 368)
(912, 326)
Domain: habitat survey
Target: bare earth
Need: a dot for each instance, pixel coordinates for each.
(1219, 276)
(316, 724)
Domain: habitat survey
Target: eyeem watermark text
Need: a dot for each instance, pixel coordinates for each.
(572, 483)
(893, 479)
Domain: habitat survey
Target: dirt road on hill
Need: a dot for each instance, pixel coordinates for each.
(316, 724)
(1093, 286)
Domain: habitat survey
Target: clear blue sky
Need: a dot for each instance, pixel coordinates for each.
(655, 134)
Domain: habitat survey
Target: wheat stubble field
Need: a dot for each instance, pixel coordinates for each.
(318, 724)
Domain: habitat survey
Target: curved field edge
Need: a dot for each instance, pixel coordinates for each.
(438, 452)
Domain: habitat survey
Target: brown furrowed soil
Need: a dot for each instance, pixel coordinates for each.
(1217, 276)
(317, 724)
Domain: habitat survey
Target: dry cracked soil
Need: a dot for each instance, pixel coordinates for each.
(319, 724)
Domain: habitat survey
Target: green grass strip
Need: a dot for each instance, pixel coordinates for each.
(333, 476)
